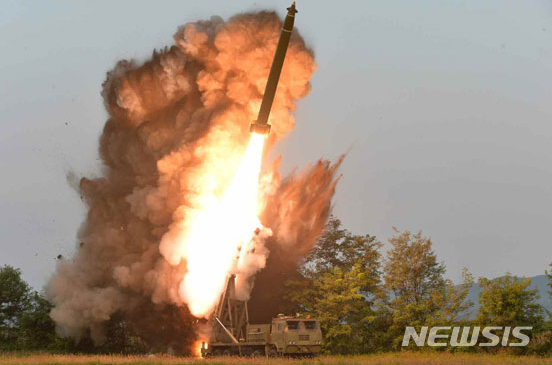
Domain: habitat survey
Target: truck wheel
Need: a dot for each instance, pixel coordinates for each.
(226, 353)
(272, 353)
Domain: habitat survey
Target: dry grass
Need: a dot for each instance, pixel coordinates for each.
(377, 359)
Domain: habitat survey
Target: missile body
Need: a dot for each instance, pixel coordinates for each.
(261, 125)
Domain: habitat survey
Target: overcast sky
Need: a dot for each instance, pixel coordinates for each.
(444, 108)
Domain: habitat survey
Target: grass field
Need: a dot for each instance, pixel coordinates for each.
(379, 359)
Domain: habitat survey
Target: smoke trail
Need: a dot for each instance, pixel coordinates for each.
(177, 128)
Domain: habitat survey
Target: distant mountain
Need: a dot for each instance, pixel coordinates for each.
(539, 282)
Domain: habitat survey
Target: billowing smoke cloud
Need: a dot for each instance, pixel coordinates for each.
(177, 127)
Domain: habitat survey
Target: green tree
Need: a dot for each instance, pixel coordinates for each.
(508, 301)
(339, 283)
(549, 275)
(343, 310)
(15, 300)
(37, 331)
(419, 295)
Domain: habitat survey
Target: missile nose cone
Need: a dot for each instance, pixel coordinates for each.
(291, 9)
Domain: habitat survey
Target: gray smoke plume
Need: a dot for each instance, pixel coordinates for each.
(186, 109)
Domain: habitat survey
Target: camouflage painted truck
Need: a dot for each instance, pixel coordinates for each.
(233, 335)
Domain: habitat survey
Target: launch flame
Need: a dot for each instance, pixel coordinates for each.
(217, 235)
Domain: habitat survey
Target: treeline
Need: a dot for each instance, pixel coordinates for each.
(24, 320)
(25, 324)
(364, 300)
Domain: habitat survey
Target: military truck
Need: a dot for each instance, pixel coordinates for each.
(233, 335)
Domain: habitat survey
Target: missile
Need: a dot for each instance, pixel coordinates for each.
(261, 125)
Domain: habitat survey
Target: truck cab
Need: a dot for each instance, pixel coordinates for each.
(296, 336)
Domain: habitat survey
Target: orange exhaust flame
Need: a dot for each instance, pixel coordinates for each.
(196, 347)
(213, 245)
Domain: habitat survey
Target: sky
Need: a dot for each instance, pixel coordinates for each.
(443, 108)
